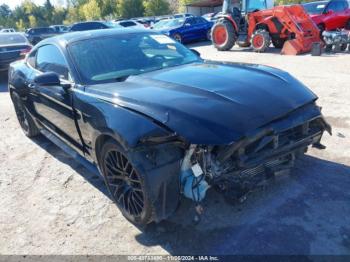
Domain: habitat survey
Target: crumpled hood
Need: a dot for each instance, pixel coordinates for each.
(210, 103)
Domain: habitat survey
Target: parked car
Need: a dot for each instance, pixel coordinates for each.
(158, 120)
(35, 35)
(330, 15)
(7, 30)
(92, 25)
(60, 29)
(129, 23)
(13, 46)
(185, 30)
(182, 15)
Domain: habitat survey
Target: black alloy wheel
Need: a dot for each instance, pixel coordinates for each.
(125, 184)
(26, 122)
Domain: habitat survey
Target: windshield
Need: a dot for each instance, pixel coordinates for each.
(114, 58)
(315, 8)
(169, 23)
(12, 39)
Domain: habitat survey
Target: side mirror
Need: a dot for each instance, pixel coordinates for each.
(196, 52)
(50, 79)
(47, 79)
(329, 12)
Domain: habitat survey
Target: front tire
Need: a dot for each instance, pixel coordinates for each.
(125, 183)
(178, 38)
(223, 35)
(25, 120)
(260, 40)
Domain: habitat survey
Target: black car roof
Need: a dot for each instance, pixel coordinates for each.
(72, 37)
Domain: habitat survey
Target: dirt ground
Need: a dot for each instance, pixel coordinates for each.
(50, 204)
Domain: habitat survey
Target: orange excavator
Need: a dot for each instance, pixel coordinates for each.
(287, 27)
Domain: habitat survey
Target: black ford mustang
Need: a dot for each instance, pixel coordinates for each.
(158, 121)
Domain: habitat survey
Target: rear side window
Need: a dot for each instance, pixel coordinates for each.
(127, 24)
(88, 26)
(50, 59)
(200, 20)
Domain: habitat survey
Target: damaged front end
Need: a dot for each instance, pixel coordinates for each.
(238, 168)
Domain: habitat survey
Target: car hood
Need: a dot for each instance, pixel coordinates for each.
(209, 102)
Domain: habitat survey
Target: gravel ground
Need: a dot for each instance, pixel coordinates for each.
(50, 204)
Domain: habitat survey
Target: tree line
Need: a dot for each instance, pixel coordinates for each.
(28, 14)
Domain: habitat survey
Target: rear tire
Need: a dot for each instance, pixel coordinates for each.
(260, 40)
(25, 120)
(223, 35)
(126, 184)
(343, 47)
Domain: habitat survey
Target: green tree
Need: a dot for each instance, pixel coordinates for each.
(32, 21)
(72, 15)
(156, 7)
(130, 8)
(183, 3)
(20, 25)
(108, 8)
(48, 11)
(90, 10)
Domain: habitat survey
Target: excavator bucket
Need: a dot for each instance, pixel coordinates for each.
(304, 29)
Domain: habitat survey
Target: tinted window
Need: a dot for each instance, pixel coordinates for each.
(127, 24)
(88, 26)
(113, 58)
(200, 20)
(11, 38)
(336, 6)
(191, 21)
(315, 8)
(50, 59)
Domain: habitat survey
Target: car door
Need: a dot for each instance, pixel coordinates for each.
(334, 17)
(53, 104)
(203, 27)
(189, 29)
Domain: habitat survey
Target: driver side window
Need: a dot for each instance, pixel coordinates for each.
(50, 59)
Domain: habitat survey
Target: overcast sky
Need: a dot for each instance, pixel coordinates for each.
(14, 3)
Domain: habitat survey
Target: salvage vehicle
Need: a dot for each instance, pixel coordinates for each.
(330, 15)
(13, 46)
(158, 121)
(184, 30)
